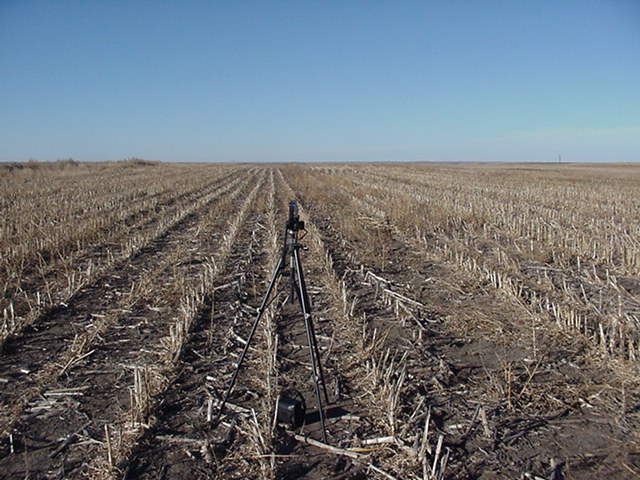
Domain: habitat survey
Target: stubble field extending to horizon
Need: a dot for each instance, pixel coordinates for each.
(475, 321)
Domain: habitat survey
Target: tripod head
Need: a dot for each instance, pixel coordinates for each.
(291, 245)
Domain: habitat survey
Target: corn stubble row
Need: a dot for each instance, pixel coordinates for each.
(566, 242)
(62, 229)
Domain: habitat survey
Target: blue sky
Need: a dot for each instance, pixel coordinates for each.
(320, 81)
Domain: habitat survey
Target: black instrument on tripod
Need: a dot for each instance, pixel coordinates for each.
(290, 252)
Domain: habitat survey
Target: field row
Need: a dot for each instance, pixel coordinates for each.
(467, 326)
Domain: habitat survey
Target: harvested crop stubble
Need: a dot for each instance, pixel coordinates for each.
(474, 321)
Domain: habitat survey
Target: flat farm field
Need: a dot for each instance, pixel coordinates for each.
(474, 321)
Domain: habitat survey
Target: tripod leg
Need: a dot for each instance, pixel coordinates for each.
(261, 310)
(314, 354)
(306, 306)
(292, 277)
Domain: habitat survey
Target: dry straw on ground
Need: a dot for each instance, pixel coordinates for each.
(475, 320)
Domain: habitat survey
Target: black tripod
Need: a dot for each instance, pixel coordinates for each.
(290, 249)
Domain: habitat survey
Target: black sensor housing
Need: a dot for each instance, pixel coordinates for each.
(291, 411)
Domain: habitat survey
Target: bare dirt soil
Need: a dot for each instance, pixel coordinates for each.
(473, 322)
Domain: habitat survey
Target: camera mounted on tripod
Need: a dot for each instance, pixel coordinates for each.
(294, 224)
(290, 410)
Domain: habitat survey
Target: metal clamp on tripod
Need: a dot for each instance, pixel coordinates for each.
(298, 288)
